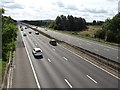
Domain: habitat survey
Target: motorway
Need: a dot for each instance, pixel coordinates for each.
(96, 47)
(59, 68)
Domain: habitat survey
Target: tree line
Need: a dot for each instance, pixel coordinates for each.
(9, 34)
(62, 22)
(110, 30)
(69, 23)
(36, 23)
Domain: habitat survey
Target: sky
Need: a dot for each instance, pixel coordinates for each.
(90, 10)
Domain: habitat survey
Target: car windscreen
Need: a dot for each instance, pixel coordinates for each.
(38, 51)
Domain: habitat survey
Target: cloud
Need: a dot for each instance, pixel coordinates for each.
(71, 7)
(49, 9)
(112, 0)
(94, 11)
(59, 4)
(7, 1)
(13, 6)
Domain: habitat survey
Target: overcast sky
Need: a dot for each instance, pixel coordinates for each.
(50, 9)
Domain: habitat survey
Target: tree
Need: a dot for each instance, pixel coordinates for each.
(94, 22)
(110, 36)
(100, 34)
(58, 23)
(111, 27)
(71, 23)
(2, 11)
(63, 22)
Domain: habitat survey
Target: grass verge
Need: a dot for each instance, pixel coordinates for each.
(0, 72)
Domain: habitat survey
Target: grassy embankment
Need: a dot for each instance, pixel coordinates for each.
(87, 34)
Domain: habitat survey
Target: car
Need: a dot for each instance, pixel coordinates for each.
(45, 29)
(20, 26)
(53, 42)
(21, 29)
(24, 34)
(30, 32)
(37, 52)
(37, 33)
(25, 27)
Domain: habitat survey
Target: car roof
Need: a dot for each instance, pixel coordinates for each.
(36, 49)
(52, 39)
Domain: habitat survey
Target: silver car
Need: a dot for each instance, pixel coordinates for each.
(37, 52)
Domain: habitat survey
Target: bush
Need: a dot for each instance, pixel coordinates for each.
(9, 34)
(100, 34)
(118, 38)
(110, 36)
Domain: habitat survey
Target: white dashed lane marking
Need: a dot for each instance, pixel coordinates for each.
(106, 49)
(68, 83)
(91, 79)
(49, 60)
(53, 49)
(65, 58)
(88, 44)
(96, 50)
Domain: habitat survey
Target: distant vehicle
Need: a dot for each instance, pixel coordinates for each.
(21, 29)
(25, 27)
(53, 42)
(24, 34)
(20, 26)
(30, 32)
(37, 33)
(45, 29)
(37, 52)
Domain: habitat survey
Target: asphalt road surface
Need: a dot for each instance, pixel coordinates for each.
(96, 47)
(59, 68)
(22, 72)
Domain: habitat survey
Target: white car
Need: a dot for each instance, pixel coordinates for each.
(37, 52)
(37, 33)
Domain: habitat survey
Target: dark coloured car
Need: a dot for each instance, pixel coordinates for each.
(21, 29)
(20, 26)
(30, 32)
(24, 34)
(53, 42)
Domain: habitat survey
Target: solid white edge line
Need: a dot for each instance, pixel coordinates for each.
(91, 79)
(68, 83)
(65, 58)
(34, 73)
(91, 63)
(49, 60)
